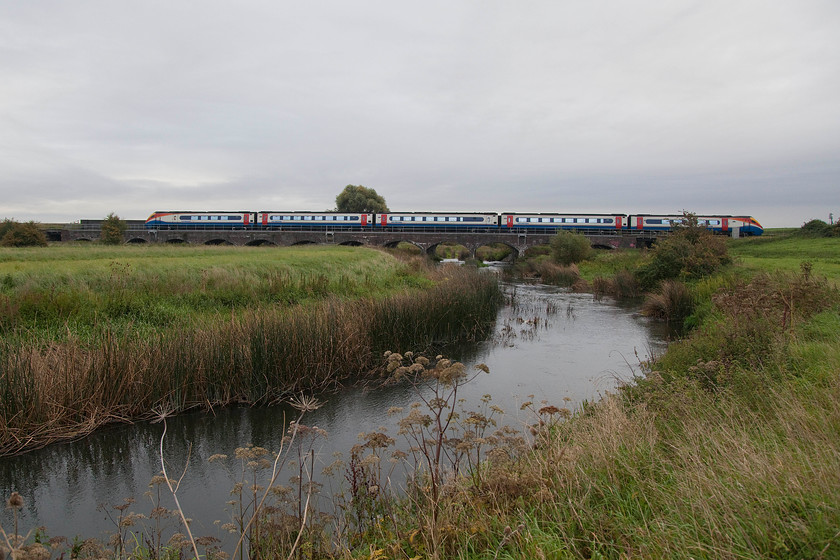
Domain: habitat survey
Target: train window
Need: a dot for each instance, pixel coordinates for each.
(608, 220)
(651, 221)
(184, 217)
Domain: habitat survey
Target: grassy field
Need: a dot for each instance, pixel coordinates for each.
(783, 251)
(46, 293)
(94, 334)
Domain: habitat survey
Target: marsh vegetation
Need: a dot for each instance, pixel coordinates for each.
(92, 335)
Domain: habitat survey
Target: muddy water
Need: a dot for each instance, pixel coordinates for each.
(550, 345)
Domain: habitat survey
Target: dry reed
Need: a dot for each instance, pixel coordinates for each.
(66, 390)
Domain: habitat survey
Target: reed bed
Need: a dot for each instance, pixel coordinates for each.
(66, 389)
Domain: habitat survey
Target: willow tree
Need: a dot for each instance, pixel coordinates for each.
(356, 198)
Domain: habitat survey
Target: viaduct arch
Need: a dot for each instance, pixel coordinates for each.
(426, 241)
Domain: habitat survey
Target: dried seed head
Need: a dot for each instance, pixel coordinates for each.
(15, 501)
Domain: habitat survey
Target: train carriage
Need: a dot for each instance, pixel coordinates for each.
(200, 220)
(548, 221)
(438, 220)
(309, 220)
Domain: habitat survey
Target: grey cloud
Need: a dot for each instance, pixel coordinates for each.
(726, 106)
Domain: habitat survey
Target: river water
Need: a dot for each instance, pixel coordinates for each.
(551, 345)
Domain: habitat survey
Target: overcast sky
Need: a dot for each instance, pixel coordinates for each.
(713, 106)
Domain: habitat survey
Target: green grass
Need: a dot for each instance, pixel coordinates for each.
(608, 263)
(49, 292)
(787, 252)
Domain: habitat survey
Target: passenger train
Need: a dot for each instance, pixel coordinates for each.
(449, 221)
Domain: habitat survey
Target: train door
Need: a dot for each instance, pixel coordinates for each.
(640, 222)
(509, 219)
(247, 219)
(364, 219)
(265, 218)
(383, 221)
(724, 223)
(618, 224)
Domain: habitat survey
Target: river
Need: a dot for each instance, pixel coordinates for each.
(552, 345)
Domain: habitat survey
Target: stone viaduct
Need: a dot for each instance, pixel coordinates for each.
(427, 241)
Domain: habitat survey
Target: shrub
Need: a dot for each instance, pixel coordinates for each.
(22, 235)
(691, 252)
(5, 226)
(569, 247)
(112, 230)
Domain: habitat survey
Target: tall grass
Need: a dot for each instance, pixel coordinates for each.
(79, 290)
(68, 388)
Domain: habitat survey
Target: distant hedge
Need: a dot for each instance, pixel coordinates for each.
(818, 228)
(15, 234)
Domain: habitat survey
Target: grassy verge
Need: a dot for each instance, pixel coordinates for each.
(161, 330)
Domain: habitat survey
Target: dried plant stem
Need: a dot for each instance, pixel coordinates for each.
(275, 472)
(174, 490)
(305, 508)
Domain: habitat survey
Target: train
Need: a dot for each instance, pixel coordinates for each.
(447, 221)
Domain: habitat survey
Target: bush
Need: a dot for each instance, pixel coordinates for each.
(22, 235)
(691, 252)
(112, 230)
(818, 228)
(5, 226)
(569, 247)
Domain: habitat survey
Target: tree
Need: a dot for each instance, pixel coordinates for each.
(22, 235)
(569, 247)
(356, 198)
(112, 230)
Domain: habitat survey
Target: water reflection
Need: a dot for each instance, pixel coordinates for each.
(550, 344)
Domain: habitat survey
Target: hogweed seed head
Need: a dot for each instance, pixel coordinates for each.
(15, 501)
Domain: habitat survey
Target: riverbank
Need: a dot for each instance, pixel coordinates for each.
(95, 335)
(726, 447)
